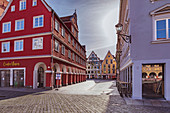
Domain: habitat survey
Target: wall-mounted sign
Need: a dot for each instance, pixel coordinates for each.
(5, 64)
(58, 76)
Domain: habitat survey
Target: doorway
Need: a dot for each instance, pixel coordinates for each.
(5, 78)
(40, 77)
(153, 81)
(54, 79)
(18, 78)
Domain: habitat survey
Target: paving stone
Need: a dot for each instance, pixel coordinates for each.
(156, 103)
(147, 103)
(164, 104)
(137, 102)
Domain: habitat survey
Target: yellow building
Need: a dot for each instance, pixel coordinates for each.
(109, 67)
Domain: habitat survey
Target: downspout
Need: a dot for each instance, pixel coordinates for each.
(52, 50)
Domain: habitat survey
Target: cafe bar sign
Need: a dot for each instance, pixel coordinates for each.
(5, 64)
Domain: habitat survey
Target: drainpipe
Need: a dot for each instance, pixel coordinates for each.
(52, 51)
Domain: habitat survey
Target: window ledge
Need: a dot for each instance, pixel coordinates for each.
(161, 41)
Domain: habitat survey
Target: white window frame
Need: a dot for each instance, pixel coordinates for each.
(63, 50)
(57, 25)
(33, 2)
(156, 18)
(69, 38)
(57, 48)
(38, 21)
(73, 57)
(20, 24)
(15, 42)
(33, 46)
(13, 8)
(20, 5)
(2, 47)
(63, 32)
(69, 54)
(3, 25)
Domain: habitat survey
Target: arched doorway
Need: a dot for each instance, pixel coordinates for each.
(56, 71)
(39, 75)
(152, 75)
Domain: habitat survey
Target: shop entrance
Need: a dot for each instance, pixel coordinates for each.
(40, 77)
(153, 81)
(18, 78)
(5, 78)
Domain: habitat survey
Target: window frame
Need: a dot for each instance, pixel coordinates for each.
(63, 32)
(69, 38)
(2, 51)
(12, 8)
(34, 2)
(20, 26)
(63, 50)
(57, 26)
(3, 27)
(19, 45)
(58, 48)
(73, 56)
(33, 48)
(38, 21)
(69, 54)
(20, 5)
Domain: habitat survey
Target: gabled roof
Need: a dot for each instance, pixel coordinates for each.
(160, 10)
(94, 54)
(107, 54)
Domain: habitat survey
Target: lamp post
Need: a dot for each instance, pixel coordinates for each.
(126, 38)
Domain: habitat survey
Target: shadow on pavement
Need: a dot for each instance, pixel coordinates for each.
(100, 80)
(7, 93)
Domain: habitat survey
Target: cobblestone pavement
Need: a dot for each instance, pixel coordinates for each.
(54, 102)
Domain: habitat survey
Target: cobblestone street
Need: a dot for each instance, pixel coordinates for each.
(87, 97)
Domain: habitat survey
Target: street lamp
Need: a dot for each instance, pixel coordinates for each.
(119, 28)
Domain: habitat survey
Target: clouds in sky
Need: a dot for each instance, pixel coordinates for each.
(96, 21)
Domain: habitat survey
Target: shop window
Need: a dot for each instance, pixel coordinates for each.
(18, 45)
(5, 47)
(37, 43)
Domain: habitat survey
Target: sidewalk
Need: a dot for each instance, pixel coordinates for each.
(147, 102)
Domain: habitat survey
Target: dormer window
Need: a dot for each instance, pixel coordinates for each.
(34, 2)
(22, 5)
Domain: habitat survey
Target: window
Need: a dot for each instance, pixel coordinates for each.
(19, 25)
(37, 43)
(106, 61)
(57, 26)
(6, 27)
(56, 46)
(63, 50)
(18, 45)
(69, 54)
(76, 46)
(111, 61)
(69, 38)
(109, 56)
(163, 29)
(63, 32)
(34, 2)
(73, 43)
(5, 47)
(12, 8)
(72, 29)
(22, 4)
(73, 56)
(38, 21)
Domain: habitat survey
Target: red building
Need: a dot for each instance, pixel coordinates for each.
(37, 45)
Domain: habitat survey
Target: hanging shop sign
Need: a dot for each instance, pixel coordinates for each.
(5, 64)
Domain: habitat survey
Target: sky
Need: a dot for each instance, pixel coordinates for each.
(96, 22)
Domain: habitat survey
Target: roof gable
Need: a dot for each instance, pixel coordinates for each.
(95, 56)
(160, 10)
(8, 6)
